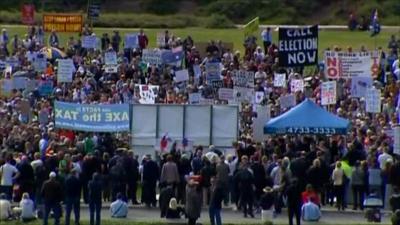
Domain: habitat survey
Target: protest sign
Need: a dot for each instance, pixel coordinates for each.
(131, 41)
(110, 58)
(45, 87)
(351, 64)
(194, 98)
(287, 101)
(242, 94)
(19, 82)
(31, 85)
(196, 71)
(213, 71)
(7, 87)
(279, 80)
(40, 63)
(251, 27)
(359, 86)
(61, 22)
(298, 46)
(89, 41)
(396, 138)
(259, 97)
(152, 57)
(173, 56)
(242, 78)
(43, 116)
(147, 93)
(225, 94)
(28, 14)
(92, 118)
(64, 70)
(160, 40)
(181, 75)
(217, 84)
(373, 100)
(94, 10)
(328, 93)
(206, 101)
(263, 114)
(296, 85)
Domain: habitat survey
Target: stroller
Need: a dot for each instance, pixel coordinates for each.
(373, 204)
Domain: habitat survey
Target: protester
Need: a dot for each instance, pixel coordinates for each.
(294, 201)
(72, 196)
(26, 208)
(119, 208)
(174, 211)
(5, 208)
(8, 174)
(310, 211)
(52, 193)
(216, 198)
(95, 188)
(193, 200)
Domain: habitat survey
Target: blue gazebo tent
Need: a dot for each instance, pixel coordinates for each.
(307, 118)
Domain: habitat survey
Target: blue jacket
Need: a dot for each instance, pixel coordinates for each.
(310, 212)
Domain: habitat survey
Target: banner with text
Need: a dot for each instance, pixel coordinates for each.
(298, 46)
(92, 118)
(351, 64)
(328, 93)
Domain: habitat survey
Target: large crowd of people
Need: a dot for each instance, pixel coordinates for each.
(43, 167)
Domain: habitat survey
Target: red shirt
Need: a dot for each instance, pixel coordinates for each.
(306, 196)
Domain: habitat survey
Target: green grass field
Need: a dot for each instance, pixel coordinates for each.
(327, 38)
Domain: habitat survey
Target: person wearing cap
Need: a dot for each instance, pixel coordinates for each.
(72, 196)
(119, 208)
(52, 193)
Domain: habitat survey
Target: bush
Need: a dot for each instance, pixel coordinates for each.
(160, 7)
(219, 21)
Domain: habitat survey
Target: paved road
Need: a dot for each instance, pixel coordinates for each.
(330, 216)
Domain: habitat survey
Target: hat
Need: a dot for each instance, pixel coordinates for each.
(268, 189)
(52, 174)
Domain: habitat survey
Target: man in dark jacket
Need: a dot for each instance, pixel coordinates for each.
(151, 173)
(72, 197)
(26, 178)
(299, 168)
(95, 188)
(131, 167)
(245, 179)
(294, 201)
(52, 194)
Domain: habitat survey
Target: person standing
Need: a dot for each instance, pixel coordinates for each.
(131, 167)
(266, 36)
(143, 40)
(193, 200)
(245, 179)
(115, 41)
(169, 173)
(338, 185)
(95, 188)
(216, 198)
(294, 201)
(72, 197)
(150, 176)
(53, 39)
(8, 174)
(52, 193)
(357, 185)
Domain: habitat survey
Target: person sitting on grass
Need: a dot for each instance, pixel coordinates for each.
(5, 208)
(119, 208)
(26, 209)
(174, 211)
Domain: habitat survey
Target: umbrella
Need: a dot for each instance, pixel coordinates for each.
(53, 53)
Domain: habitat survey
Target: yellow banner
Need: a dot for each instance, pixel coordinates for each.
(62, 22)
(251, 27)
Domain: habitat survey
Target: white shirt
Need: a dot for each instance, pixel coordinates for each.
(383, 158)
(27, 209)
(7, 172)
(5, 209)
(36, 163)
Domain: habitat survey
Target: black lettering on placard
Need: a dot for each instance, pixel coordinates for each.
(298, 46)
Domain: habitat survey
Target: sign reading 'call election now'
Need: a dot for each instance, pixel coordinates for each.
(92, 118)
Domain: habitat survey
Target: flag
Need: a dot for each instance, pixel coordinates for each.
(251, 27)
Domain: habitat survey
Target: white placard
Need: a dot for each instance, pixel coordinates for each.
(328, 93)
(40, 63)
(225, 94)
(160, 39)
(296, 85)
(194, 98)
(280, 80)
(242, 78)
(110, 58)
(396, 144)
(153, 57)
(259, 97)
(263, 115)
(373, 100)
(181, 75)
(147, 93)
(242, 94)
(64, 70)
(131, 41)
(89, 41)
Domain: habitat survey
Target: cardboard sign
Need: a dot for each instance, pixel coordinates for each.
(296, 85)
(151, 57)
(194, 98)
(373, 100)
(181, 75)
(298, 46)
(64, 70)
(89, 42)
(147, 93)
(242, 94)
(287, 101)
(359, 86)
(160, 40)
(213, 71)
(351, 64)
(280, 80)
(328, 93)
(40, 63)
(225, 94)
(242, 78)
(131, 41)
